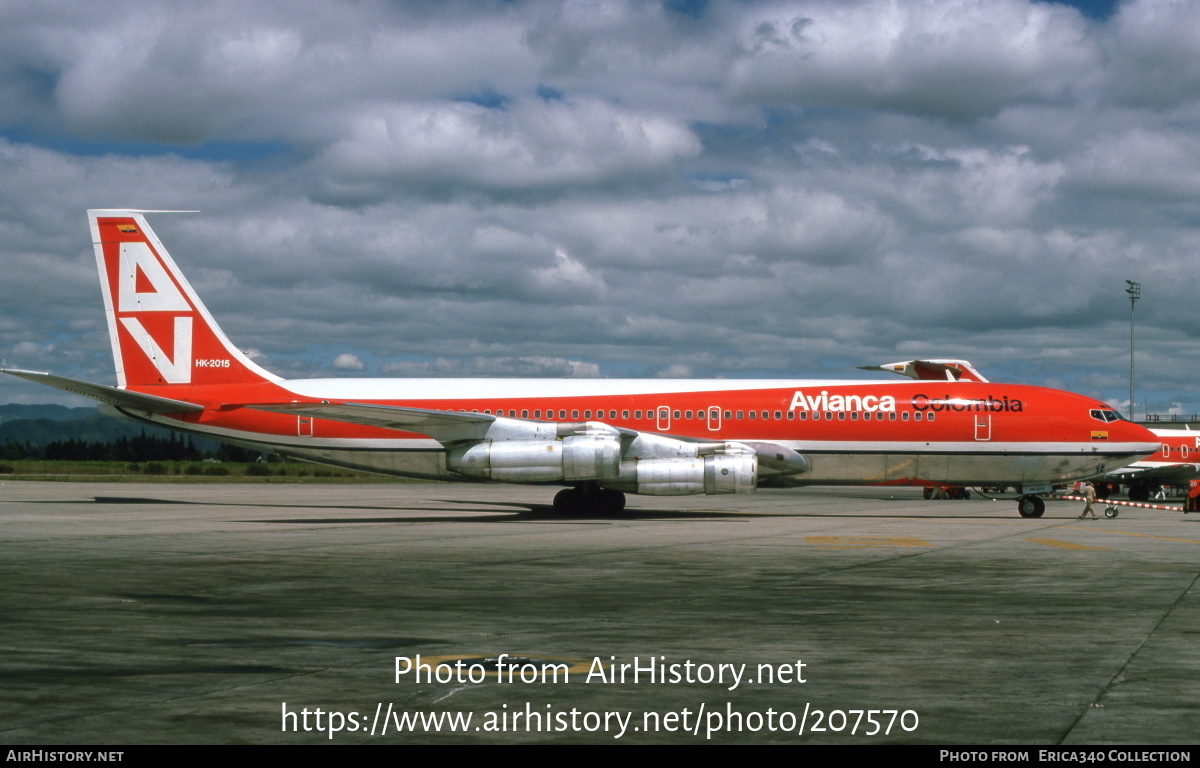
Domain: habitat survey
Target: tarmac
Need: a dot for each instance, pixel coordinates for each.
(295, 614)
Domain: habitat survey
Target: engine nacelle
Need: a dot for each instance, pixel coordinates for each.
(720, 473)
(574, 458)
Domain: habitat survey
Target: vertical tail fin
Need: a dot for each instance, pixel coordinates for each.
(160, 331)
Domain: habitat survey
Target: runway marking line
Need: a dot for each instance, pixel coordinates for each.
(860, 542)
(1141, 535)
(1058, 543)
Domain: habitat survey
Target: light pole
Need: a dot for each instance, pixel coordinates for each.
(1135, 292)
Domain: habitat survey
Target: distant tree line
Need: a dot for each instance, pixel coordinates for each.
(143, 447)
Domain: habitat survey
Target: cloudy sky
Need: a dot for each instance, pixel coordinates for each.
(650, 189)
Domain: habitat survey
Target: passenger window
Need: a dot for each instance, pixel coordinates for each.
(624, 414)
(753, 414)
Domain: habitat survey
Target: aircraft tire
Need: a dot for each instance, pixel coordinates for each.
(600, 501)
(1111, 512)
(1139, 492)
(566, 501)
(1030, 506)
(610, 502)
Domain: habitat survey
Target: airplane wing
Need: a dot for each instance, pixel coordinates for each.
(1155, 472)
(443, 426)
(450, 427)
(111, 395)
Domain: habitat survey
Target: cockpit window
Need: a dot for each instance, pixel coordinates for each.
(1105, 415)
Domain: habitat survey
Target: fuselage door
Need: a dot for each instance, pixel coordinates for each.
(304, 426)
(983, 426)
(714, 418)
(664, 418)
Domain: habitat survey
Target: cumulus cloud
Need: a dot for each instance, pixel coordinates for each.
(348, 362)
(530, 143)
(540, 188)
(1152, 45)
(962, 61)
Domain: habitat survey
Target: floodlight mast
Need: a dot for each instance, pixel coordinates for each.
(1135, 292)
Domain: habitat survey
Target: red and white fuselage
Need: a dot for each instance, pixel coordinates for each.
(177, 369)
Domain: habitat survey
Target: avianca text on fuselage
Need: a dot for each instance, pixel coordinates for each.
(827, 402)
(887, 403)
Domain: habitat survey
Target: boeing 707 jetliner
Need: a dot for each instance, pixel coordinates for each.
(600, 438)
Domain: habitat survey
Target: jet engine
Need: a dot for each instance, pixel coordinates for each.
(719, 473)
(574, 458)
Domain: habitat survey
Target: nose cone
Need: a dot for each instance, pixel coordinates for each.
(1142, 440)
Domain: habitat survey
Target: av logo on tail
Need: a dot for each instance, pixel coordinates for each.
(176, 369)
(143, 285)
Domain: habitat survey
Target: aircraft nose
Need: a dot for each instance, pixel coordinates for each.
(1145, 440)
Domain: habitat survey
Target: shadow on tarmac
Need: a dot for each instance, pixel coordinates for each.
(518, 512)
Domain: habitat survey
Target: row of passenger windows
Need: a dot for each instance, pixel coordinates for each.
(726, 415)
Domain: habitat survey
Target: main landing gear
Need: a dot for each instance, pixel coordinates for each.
(1031, 506)
(588, 500)
(1140, 492)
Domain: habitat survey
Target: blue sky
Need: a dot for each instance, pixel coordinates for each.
(724, 189)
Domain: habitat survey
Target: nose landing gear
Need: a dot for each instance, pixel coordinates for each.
(1031, 506)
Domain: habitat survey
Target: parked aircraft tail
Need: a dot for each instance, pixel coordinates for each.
(931, 370)
(161, 333)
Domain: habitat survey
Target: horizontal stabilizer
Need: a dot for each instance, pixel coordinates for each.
(111, 395)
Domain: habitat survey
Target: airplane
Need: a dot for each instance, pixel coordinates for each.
(601, 439)
(1168, 465)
